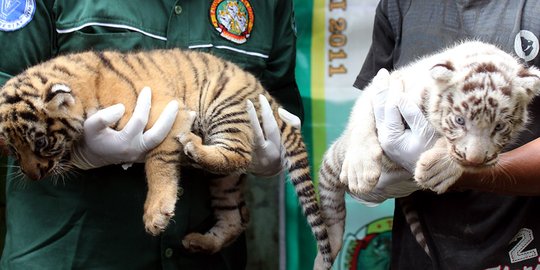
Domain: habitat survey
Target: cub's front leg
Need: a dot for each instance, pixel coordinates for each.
(162, 175)
(362, 162)
(436, 170)
(162, 168)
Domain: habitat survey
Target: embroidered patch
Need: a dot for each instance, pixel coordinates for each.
(526, 45)
(233, 19)
(15, 14)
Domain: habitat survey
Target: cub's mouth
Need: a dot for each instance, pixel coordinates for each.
(488, 162)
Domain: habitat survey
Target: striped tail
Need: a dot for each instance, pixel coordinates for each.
(411, 216)
(299, 171)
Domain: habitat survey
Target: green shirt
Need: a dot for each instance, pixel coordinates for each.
(93, 219)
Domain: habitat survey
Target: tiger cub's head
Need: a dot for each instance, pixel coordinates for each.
(481, 104)
(38, 123)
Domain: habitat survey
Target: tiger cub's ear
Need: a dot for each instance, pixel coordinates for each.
(442, 72)
(59, 97)
(529, 79)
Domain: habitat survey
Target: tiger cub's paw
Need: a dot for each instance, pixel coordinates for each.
(191, 143)
(196, 242)
(436, 171)
(157, 214)
(360, 172)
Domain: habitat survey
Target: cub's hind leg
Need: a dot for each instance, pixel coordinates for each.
(230, 212)
(225, 146)
(332, 200)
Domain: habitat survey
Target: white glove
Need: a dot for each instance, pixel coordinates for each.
(102, 145)
(394, 184)
(268, 153)
(402, 145)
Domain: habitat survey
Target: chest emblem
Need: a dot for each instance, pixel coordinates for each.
(15, 14)
(233, 19)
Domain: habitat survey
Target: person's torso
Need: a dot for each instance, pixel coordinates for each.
(76, 215)
(474, 230)
(242, 32)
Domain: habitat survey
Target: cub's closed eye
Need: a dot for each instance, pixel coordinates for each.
(499, 127)
(40, 142)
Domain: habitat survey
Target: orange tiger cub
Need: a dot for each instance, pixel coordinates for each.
(50, 102)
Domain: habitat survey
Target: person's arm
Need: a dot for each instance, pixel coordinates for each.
(382, 49)
(279, 76)
(517, 173)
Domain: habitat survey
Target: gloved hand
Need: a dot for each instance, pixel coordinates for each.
(395, 184)
(268, 153)
(102, 145)
(402, 145)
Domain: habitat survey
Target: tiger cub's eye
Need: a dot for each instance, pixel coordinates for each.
(40, 142)
(460, 120)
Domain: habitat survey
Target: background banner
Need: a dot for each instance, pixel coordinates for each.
(333, 39)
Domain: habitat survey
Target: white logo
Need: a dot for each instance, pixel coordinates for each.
(526, 45)
(8, 6)
(519, 252)
(15, 14)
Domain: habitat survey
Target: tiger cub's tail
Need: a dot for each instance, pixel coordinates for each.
(299, 171)
(411, 216)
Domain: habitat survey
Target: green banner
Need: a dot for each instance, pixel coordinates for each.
(333, 39)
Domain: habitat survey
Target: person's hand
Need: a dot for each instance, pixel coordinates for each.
(268, 152)
(394, 184)
(102, 145)
(402, 145)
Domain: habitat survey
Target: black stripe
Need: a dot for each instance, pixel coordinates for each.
(298, 165)
(311, 209)
(12, 99)
(29, 116)
(107, 63)
(301, 179)
(41, 77)
(62, 69)
(227, 130)
(68, 125)
(217, 124)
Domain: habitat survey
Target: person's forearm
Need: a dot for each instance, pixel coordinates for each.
(517, 173)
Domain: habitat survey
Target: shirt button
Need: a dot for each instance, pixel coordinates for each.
(178, 9)
(168, 252)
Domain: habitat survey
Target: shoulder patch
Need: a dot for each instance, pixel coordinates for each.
(526, 45)
(15, 14)
(233, 19)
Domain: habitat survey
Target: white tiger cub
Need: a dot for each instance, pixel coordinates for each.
(474, 95)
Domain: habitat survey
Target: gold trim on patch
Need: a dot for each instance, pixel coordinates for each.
(233, 19)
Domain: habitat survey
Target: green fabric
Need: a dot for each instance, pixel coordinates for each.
(93, 219)
(301, 245)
